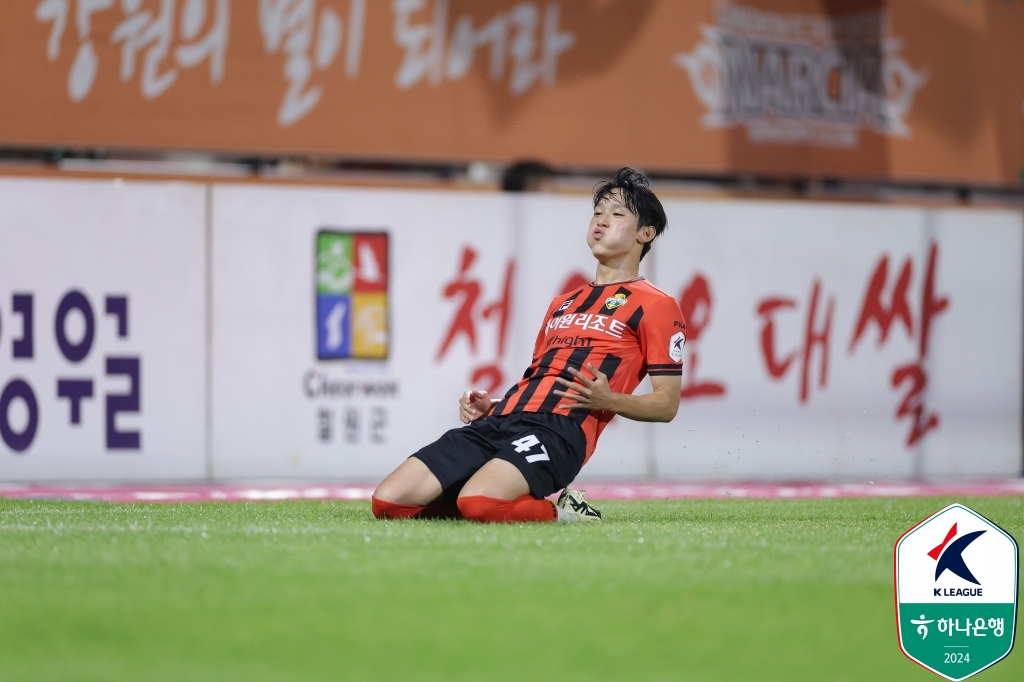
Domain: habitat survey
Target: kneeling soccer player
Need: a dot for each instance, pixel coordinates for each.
(595, 346)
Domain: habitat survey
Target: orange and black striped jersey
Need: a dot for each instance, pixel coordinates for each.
(627, 330)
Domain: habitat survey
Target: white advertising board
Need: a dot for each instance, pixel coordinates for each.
(101, 330)
(468, 279)
(847, 341)
(760, 400)
(825, 341)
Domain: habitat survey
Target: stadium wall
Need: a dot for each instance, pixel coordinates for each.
(184, 331)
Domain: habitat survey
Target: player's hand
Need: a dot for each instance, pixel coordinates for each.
(587, 393)
(473, 405)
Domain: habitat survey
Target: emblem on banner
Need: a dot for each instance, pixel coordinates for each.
(802, 80)
(351, 295)
(956, 592)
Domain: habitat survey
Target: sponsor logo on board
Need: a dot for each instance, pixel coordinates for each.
(352, 295)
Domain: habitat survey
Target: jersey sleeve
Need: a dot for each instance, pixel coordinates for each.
(662, 334)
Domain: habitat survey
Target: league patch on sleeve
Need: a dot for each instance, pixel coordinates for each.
(675, 346)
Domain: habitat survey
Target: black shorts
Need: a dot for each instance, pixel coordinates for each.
(547, 448)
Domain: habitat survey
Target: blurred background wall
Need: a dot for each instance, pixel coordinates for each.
(278, 239)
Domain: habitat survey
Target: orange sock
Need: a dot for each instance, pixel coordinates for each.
(393, 510)
(493, 510)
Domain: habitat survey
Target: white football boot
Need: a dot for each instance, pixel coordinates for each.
(573, 507)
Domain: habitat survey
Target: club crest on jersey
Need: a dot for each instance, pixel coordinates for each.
(613, 302)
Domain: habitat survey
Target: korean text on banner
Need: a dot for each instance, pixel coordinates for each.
(869, 90)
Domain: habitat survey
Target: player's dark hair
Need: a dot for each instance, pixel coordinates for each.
(638, 198)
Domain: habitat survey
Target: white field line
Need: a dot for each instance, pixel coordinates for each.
(58, 529)
(620, 490)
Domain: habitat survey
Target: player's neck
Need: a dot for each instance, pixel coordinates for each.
(621, 271)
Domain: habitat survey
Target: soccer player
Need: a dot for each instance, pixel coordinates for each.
(594, 347)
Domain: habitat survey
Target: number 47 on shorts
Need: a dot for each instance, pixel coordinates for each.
(526, 443)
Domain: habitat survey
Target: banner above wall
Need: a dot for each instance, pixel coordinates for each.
(922, 90)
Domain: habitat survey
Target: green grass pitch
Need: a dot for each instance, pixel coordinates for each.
(688, 590)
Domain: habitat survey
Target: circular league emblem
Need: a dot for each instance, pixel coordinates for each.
(675, 346)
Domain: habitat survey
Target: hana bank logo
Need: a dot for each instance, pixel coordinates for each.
(351, 295)
(802, 79)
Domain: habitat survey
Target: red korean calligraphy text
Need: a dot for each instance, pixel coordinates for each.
(913, 374)
(576, 280)
(817, 333)
(471, 312)
(695, 302)
(469, 291)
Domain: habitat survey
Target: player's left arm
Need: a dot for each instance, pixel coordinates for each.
(594, 393)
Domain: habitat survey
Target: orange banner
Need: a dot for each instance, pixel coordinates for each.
(916, 90)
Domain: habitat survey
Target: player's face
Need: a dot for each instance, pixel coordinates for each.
(613, 230)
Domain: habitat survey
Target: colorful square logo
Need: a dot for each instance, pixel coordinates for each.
(352, 295)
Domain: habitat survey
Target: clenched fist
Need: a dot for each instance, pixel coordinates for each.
(473, 405)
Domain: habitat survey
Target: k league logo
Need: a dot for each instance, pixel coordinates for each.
(952, 559)
(956, 592)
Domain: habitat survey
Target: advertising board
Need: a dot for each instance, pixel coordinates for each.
(824, 341)
(176, 331)
(843, 341)
(102, 330)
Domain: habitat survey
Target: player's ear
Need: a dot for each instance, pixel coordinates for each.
(647, 234)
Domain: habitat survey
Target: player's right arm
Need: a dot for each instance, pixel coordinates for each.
(474, 405)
